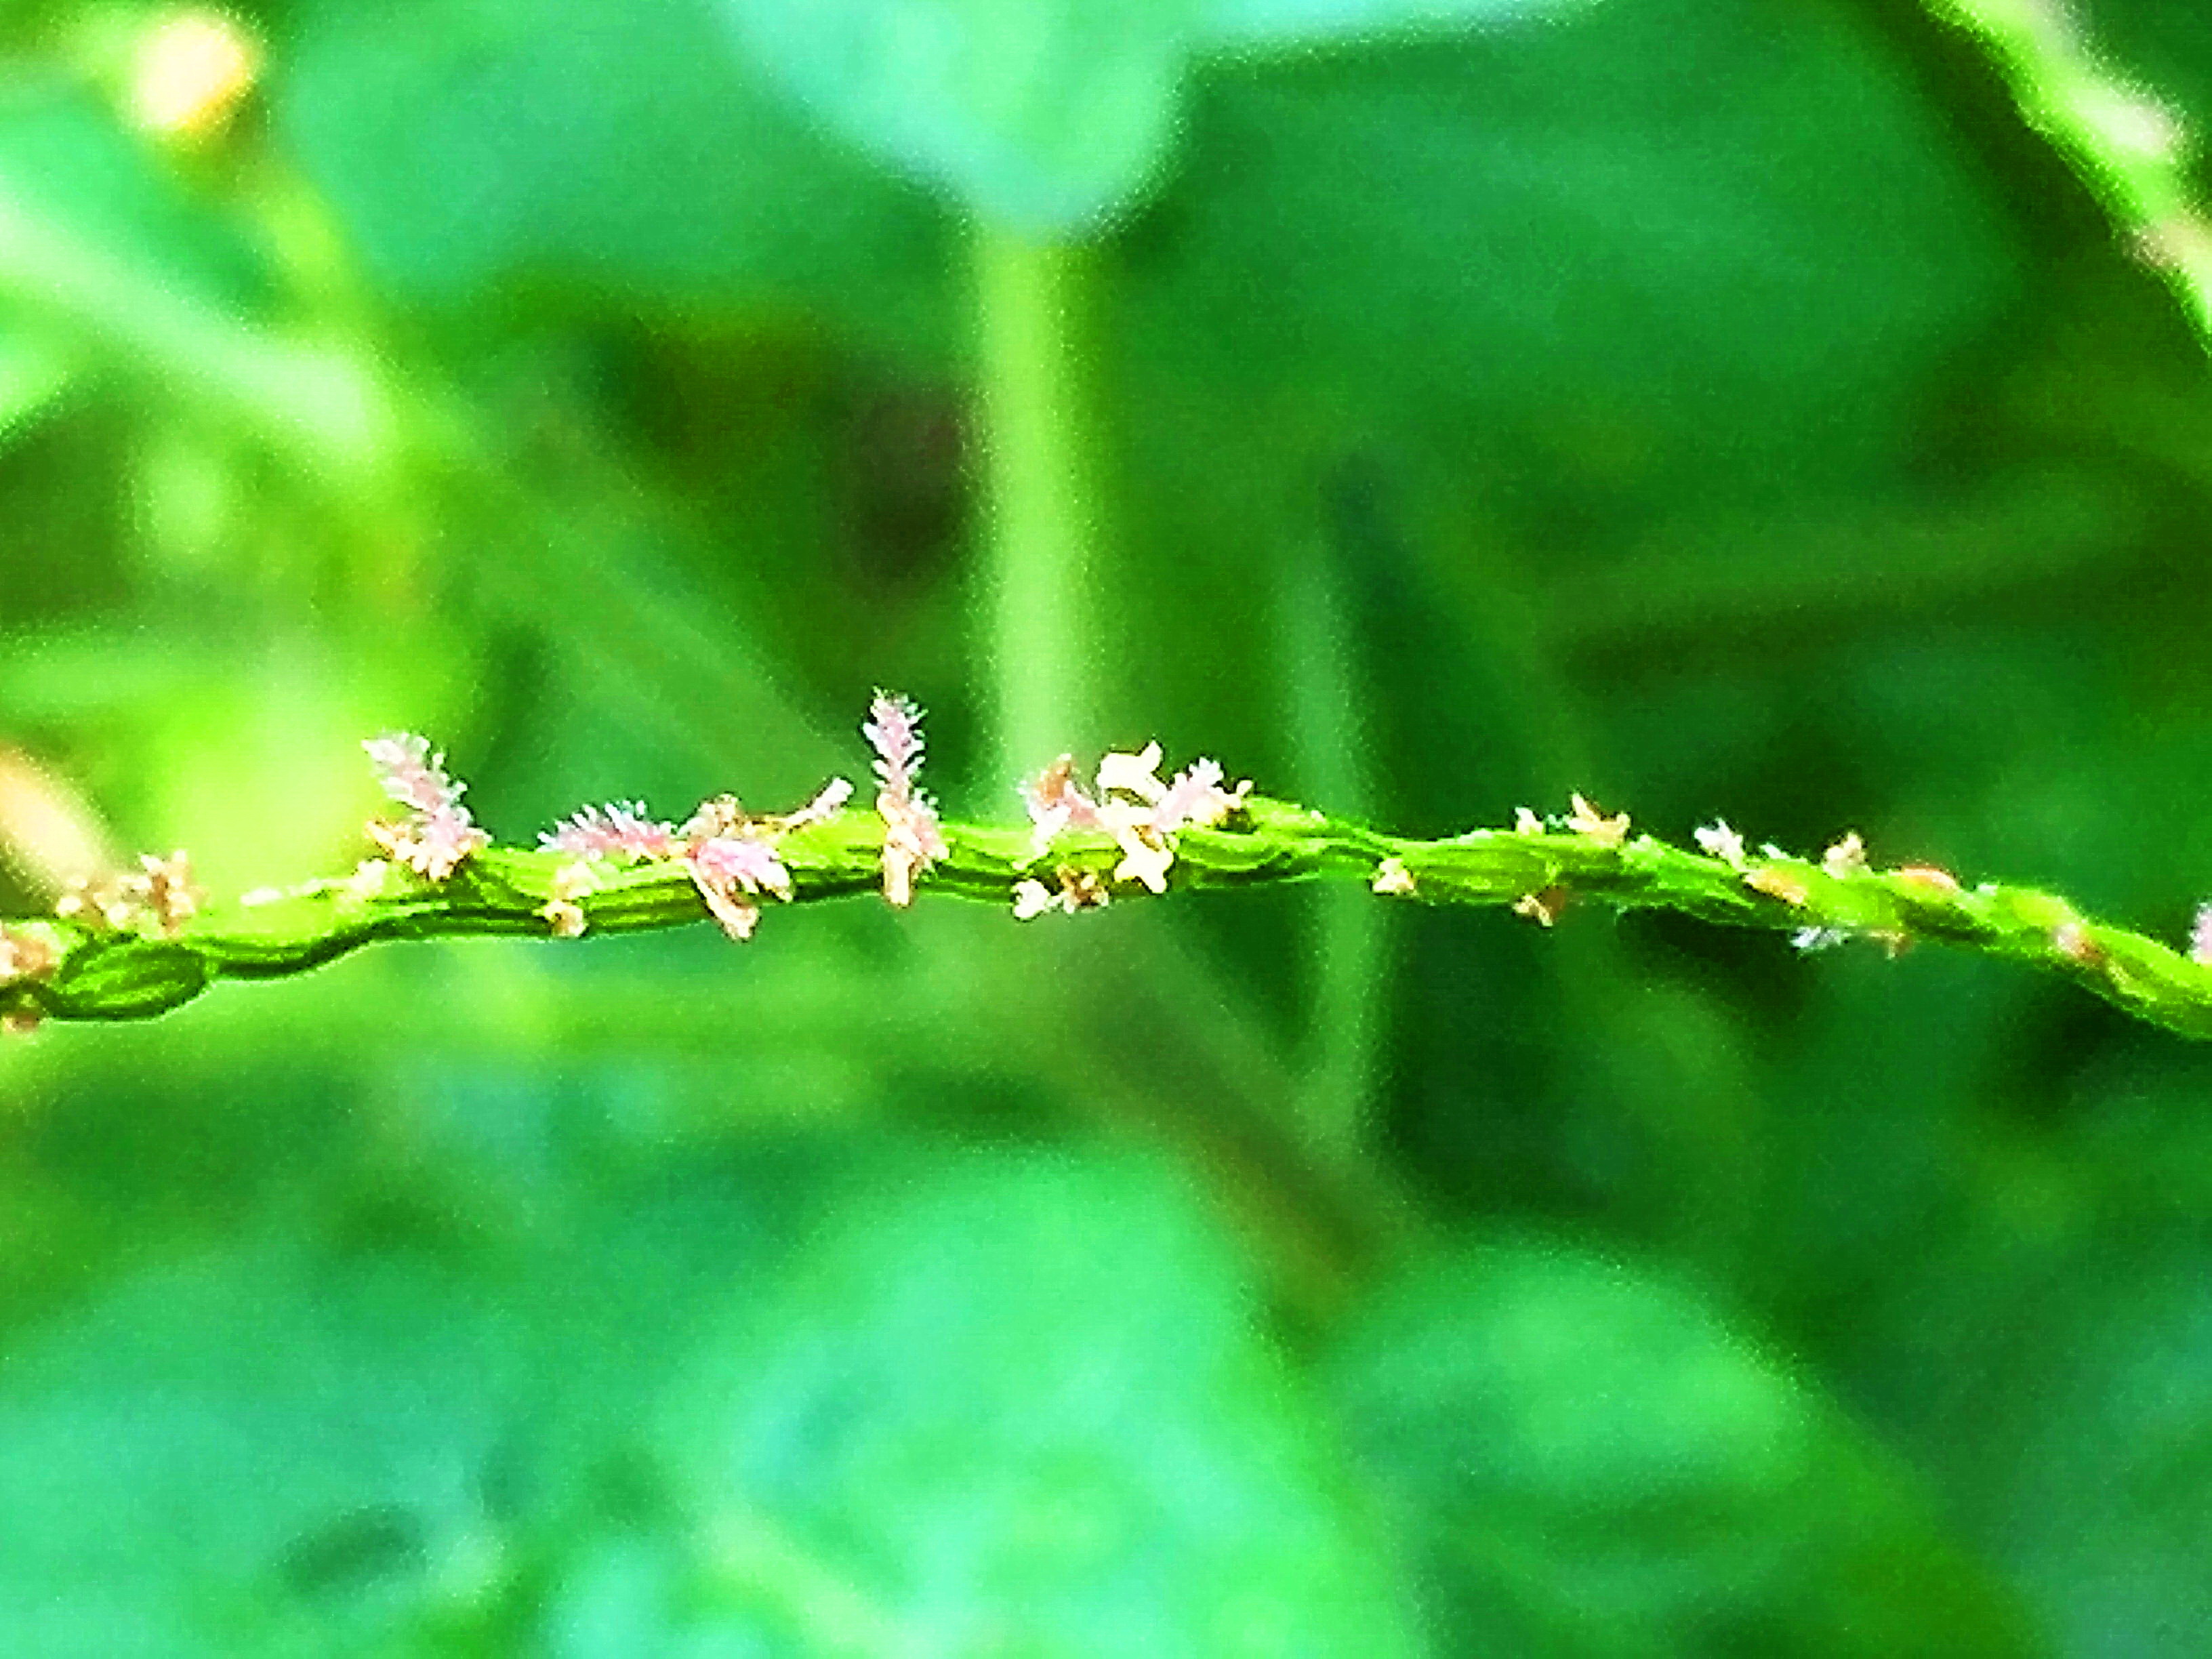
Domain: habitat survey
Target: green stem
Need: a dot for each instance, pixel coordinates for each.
(1349, 938)
(1042, 505)
(2131, 150)
(131, 974)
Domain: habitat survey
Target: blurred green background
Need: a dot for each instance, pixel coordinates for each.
(1718, 406)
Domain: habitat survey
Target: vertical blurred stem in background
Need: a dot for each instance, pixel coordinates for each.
(1041, 501)
(1348, 941)
(2129, 148)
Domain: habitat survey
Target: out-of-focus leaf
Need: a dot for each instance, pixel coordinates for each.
(1559, 245)
(64, 160)
(1238, 24)
(2110, 1514)
(617, 149)
(286, 1449)
(33, 374)
(2172, 45)
(1021, 1405)
(1045, 115)
(234, 1455)
(2051, 1358)
(1586, 1461)
(109, 251)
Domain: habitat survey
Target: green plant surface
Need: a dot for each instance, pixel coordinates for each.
(137, 969)
(1773, 409)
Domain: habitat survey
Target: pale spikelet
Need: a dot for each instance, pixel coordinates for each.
(100, 905)
(893, 730)
(1141, 813)
(1392, 877)
(912, 842)
(618, 830)
(160, 891)
(432, 848)
(1716, 840)
(1818, 939)
(730, 872)
(164, 889)
(1196, 796)
(1928, 877)
(439, 832)
(1057, 804)
(2073, 941)
(366, 884)
(412, 774)
(1846, 858)
(1079, 889)
(1591, 824)
(828, 800)
(1146, 856)
(1782, 885)
(1543, 909)
(562, 913)
(739, 861)
(25, 956)
(913, 838)
(1134, 775)
(2200, 936)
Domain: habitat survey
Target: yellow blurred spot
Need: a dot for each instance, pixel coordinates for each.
(47, 829)
(190, 72)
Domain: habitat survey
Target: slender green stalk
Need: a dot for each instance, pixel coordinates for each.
(2131, 149)
(1348, 939)
(1041, 498)
(136, 972)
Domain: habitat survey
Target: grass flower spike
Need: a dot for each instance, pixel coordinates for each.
(438, 833)
(1057, 802)
(1142, 814)
(614, 830)
(130, 946)
(914, 839)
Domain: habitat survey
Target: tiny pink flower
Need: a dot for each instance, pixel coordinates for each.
(1056, 804)
(1195, 797)
(411, 774)
(913, 837)
(439, 832)
(1134, 775)
(615, 830)
(25, 956)
(730, 872)
(827, 802)
(2073, 941)
(1716, 840)
(2200, 936)
(893, 730)
(738, 861)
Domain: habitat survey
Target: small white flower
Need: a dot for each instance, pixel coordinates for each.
(1591, 824)
(913, 839)
(1716, 840)
(1846, 858)
(439, 833)
(1134, 775)
(1391, 876)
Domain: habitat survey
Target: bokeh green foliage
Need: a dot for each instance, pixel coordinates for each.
(1720, 407)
